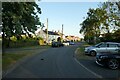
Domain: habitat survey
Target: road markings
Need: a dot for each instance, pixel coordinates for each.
(88, 69)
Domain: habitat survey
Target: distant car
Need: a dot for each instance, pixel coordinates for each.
(57, 44)
(54, 44)
(71, 43)
(111, 60)
(66, 43)
(60, 44)
(111, 47)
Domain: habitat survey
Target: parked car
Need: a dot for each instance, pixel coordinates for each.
(111, 60)
(66, 43)
(71, 43)
(57, 44)
(111, 47)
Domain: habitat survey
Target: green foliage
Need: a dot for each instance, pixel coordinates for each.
(20, 43)
(13, 38)
(40, 38)
(113, 37)
(19, 18)
(91, 25)
(113, 12)
(102, 20)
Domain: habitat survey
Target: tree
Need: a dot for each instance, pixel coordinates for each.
(102, 20)
(91, 26)
(116, 35)
(19, 18)
(113, 13)
(59, 39)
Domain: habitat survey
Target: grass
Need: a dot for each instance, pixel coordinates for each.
(80, 52)
(11, 57)
(38, 46)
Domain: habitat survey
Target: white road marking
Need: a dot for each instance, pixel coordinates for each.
(88, 69)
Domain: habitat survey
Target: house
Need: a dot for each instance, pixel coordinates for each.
(52, 36)
(41, 34)
(72, 38)
(77, 38)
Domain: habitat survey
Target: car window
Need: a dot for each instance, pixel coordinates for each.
(112, 45)
(118, 45)
(103, 45)
(98, 44)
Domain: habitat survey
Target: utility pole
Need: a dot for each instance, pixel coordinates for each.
(62, 31)
(47, 31)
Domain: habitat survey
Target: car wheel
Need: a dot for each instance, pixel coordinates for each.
(113, 64)
(92, 53)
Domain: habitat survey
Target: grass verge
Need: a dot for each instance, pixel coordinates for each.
(80, 52)
(11, 57)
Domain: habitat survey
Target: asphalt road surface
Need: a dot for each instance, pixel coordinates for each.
(56, 63)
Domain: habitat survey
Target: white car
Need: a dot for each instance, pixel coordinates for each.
(66, 43)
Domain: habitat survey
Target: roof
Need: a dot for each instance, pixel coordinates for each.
(51, 32)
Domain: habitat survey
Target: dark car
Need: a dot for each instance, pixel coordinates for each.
(57, 44)
(111, 60)
(71, 43)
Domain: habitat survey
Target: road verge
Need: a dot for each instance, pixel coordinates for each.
(79, 52)
(14, 57)
(79, 55)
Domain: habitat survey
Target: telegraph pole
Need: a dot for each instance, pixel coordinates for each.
(62, 31)
(47, 31)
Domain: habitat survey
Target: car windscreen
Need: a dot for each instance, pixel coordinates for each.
(98, 44)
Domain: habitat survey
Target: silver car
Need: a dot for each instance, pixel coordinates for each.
(110, 47)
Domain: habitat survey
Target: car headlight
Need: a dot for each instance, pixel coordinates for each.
(102, 57)
(86, 49)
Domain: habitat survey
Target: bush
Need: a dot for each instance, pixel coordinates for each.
(20, 43)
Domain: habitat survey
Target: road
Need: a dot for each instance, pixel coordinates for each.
(56, 63)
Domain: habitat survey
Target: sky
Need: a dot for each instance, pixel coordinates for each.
(70, 14)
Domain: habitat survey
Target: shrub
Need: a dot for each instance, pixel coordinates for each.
(21, 43)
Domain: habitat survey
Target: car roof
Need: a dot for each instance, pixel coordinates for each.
(111, 42)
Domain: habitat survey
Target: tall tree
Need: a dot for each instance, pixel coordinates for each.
(113, 13)
(19, 18)
(91, 26)
(105, 19)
